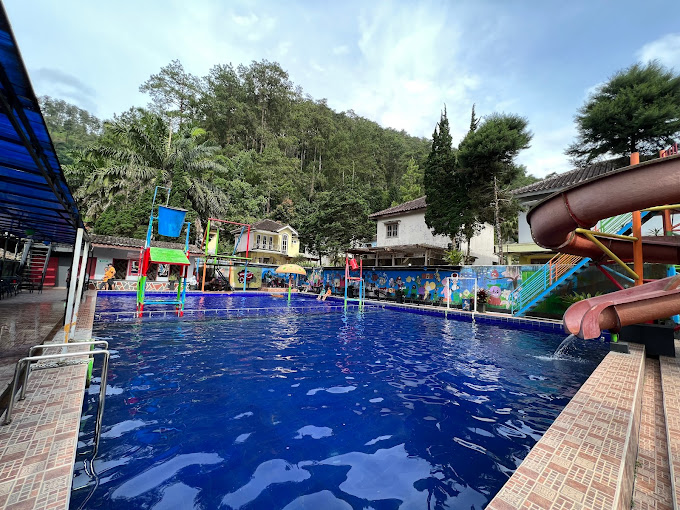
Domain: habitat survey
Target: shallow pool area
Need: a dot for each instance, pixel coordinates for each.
(321, 408)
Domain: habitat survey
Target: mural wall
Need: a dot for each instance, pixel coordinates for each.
(439, 286)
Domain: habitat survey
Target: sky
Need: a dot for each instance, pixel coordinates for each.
(395, 62)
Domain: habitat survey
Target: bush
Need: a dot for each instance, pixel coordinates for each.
(578, 296)
(482, 296)
(454, 257)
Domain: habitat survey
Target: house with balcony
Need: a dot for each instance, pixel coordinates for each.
(270, 242)
(403, 239)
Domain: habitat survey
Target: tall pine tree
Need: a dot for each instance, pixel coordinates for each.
(447, 212)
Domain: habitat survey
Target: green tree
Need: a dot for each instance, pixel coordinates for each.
(638, 109)
(139, 156)
(334, 221)
(411, 183)
(449, 205)
(173, 91)
(487, 168)
(71, 128)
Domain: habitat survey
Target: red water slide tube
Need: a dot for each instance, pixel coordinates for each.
(554, 222)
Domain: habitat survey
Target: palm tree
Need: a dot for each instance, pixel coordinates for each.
(139, 153)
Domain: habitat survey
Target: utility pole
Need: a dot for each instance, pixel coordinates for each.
(497, 215)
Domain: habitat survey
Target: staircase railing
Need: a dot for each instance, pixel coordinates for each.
(551, 273)
(44, 269)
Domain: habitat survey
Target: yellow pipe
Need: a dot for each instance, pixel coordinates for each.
(611, 255)
(662, 208)
(585, 231)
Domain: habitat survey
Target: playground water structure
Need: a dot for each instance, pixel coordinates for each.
(170, 222)
(211, 247)
(562, 221)
(339, 409)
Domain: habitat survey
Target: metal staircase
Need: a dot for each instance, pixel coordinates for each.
(558, 270)
(35, 261)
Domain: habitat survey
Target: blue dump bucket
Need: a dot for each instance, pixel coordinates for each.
(170, 221)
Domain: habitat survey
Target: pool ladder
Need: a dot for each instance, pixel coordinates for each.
(56, 361)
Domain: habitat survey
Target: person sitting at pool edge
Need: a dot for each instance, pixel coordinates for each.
(328, 293)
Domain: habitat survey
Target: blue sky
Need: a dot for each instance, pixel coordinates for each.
(396, 63)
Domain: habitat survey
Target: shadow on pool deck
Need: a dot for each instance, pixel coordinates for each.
(37, 449)
(27, 320)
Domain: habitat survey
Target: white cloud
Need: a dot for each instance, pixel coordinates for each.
(408, 67)
(341, 50)
(665, 49)
(546, 154)
(245, 21)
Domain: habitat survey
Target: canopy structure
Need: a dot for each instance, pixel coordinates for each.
(168, 256)
(35, 200)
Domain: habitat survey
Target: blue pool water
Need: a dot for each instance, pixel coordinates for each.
(382, 409)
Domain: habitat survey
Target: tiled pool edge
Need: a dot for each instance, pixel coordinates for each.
(37, 450)
(586, 459)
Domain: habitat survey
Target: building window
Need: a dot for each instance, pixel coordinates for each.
(284, 244)
(257, 245)
(393, 230)
(271, 242)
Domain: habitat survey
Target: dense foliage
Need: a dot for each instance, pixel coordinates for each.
(638, 109)
(469, 186)
(243, 143)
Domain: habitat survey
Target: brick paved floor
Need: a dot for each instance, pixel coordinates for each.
(670, 380)
(652, 476)
(586, 458)
(38, 448)
(25, 320)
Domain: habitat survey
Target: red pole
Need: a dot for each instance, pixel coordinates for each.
(248, 241)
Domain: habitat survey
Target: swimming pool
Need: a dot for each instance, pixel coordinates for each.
(382, 409)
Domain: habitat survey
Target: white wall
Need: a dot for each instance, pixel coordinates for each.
(524, 230)
(412, 230)
(482, 246)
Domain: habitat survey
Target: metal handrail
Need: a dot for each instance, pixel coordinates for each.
(559, 265)
(27, 372)
(102, 388)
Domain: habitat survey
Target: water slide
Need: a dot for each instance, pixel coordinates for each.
(554, 222)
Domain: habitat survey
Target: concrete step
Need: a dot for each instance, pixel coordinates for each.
(652, 474)
(670, 384)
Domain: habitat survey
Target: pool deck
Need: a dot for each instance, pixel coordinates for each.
(26, 320)
(37, 449)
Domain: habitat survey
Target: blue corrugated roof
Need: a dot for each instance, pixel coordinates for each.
(34, 196)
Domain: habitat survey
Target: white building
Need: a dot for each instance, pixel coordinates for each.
(123, 253)
(403, 238)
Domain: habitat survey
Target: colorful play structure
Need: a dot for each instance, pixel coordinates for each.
(170, 222)
(211, 248)
(351, 265)
(563, 222)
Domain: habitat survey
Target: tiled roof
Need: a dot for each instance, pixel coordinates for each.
(412, 205)
(131, 242)
(572, 177)
(268, 225)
